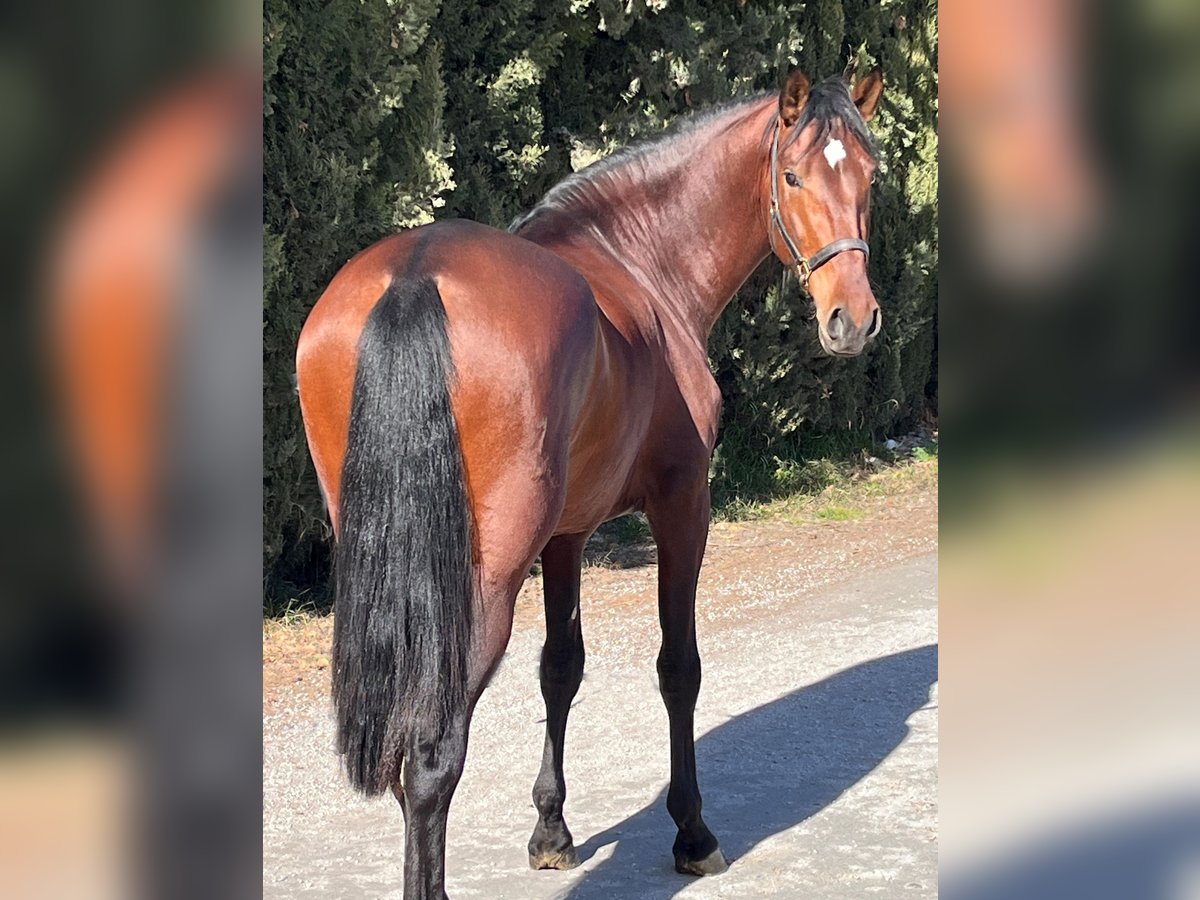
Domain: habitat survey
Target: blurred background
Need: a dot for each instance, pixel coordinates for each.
(1069, 602)
(130, 754)
(136, 547)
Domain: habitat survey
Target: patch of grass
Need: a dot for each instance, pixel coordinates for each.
(293, 620)
(745, 474)
(831, 488)
(296, 611)
(835, 513)
(311, 594)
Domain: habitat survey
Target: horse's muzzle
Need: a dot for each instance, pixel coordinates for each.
(840, 336)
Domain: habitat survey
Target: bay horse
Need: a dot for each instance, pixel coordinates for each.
(473, 398)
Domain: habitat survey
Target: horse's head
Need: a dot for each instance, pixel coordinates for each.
(822, 164)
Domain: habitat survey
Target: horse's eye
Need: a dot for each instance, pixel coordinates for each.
(793, 179)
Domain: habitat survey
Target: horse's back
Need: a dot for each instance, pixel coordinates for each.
(522, 329)
(488, 280)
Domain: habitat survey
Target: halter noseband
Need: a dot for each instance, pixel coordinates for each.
(804, 266)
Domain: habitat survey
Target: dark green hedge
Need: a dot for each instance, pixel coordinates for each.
(384, 115)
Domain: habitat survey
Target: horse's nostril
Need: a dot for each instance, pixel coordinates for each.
(876, 323)
(836, 324)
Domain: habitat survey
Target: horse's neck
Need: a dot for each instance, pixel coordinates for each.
(694, 236)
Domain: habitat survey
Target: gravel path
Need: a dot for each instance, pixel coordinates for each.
(816, 749)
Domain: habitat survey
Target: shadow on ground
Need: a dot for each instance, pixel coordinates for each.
(770, 769)
(1151, 854)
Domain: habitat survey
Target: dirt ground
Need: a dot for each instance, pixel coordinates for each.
(816, 724)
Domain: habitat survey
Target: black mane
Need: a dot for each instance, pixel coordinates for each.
(828, 103)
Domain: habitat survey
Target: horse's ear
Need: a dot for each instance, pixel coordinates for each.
(866, 93)
(793, 97)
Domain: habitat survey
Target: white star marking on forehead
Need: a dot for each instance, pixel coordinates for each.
(834, 153)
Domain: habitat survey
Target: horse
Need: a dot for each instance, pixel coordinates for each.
(473, 398)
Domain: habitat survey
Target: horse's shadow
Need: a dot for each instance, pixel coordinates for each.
(770, 769)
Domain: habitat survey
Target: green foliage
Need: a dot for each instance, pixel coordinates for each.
(352, 148)
(381, 114)
(924, 454)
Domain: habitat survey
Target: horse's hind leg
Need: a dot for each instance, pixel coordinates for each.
(551, 846)
(433, 764)
(432, 768)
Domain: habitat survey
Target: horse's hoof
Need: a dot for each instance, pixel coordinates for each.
(566, 858)
(713, 864)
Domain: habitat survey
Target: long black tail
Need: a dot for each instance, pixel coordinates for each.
(404, 584)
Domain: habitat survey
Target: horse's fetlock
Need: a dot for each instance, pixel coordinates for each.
(679, 678)
(548, 799)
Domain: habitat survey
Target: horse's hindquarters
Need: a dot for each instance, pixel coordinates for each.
(522, 330)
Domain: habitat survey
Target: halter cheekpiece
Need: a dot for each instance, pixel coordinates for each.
(804, 266)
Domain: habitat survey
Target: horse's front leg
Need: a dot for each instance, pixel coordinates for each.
(679, 522)
(551, 846)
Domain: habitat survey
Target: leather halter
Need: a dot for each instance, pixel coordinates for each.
(804, 266)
